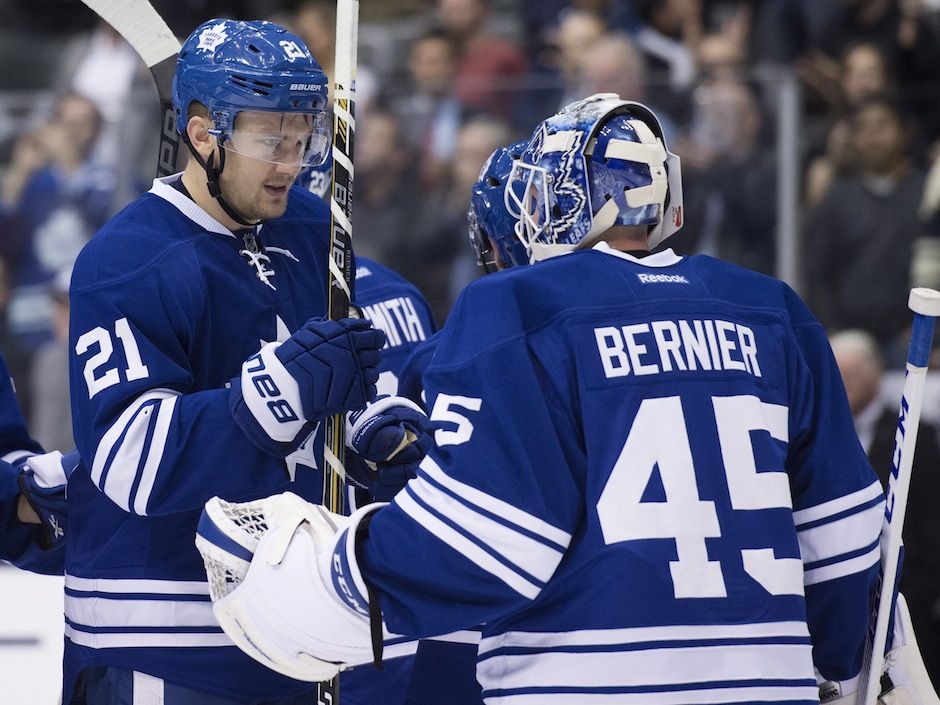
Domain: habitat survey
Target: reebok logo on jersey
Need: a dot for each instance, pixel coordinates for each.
(662, 279)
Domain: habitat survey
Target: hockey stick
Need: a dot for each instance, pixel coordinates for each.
(148, 34)
(341, 275)
(925, 303)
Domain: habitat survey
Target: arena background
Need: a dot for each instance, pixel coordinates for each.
(809, 132)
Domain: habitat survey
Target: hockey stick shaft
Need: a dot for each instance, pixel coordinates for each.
(341, 273)
(925, 303)
(151, 38)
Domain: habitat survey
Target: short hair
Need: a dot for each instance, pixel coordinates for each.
(858, 341)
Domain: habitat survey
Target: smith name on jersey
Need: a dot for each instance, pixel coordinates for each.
(646, 484)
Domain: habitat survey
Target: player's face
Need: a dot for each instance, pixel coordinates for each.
(253, 182)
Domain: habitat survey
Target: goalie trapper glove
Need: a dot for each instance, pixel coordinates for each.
(43, 483)
(285, 586)
(326, 367)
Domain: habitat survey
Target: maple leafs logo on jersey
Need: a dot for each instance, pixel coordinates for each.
(212, 36)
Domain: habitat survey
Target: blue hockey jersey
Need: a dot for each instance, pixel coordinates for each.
(164, 311)
(647, 486)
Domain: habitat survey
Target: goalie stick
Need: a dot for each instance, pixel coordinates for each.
(148, 34)
(925, 303)
(341, 274)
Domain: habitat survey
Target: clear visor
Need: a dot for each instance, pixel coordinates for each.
(293, 139)
(527, 199)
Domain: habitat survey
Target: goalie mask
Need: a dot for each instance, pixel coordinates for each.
(600, 162)
(488, 221)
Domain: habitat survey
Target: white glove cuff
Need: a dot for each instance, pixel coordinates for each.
(355, 420)
(47, 469)
(272, 395)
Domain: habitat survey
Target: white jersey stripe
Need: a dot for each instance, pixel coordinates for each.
(496, 506)
(837, 506)
(843, 568)
(715, 664)
(161, 430)
(639, 635)
(123, 467)
(846, 535)
(159, 640)
(535, 558)
(143, 587)
(462, 545)
(711, 696)
(97, 612)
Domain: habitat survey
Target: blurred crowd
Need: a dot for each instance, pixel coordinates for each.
(443, 82)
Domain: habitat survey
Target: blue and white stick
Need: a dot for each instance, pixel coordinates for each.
(925, 303)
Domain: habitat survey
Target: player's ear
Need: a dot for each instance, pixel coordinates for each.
(197, 129)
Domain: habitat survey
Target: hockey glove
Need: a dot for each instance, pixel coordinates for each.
(42, 482)
(273, 575)
(324, 368)
(390, 437)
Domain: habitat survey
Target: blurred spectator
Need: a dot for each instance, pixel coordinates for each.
(443, 263)
(614, 65)
(490, 69)
(861, 367)
(861, 72)
(103, 70)
(669, 36)
(578, 31)
(837, 159)
(51, 416)
(731, 193)
(859, 237)
(387, 197)
(314, 21)
(56, 196)
(429, 112)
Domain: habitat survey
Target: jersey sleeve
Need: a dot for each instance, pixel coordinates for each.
(838, 508)
(486, 522)
(153, 440)
(15, 441)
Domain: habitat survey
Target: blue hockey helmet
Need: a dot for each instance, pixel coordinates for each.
(599, 162)
(232, 66)
(487, 219)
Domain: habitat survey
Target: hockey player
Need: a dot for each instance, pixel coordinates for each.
(173, 401)
(648, 487)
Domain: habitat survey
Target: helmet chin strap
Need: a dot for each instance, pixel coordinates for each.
(213, 175)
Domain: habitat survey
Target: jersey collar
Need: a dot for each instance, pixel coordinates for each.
(162, 188)
(665, 258)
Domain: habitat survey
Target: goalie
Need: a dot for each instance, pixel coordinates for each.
(645, 480)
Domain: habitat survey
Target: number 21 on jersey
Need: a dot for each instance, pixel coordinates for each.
(659, 438)
(101, 338)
